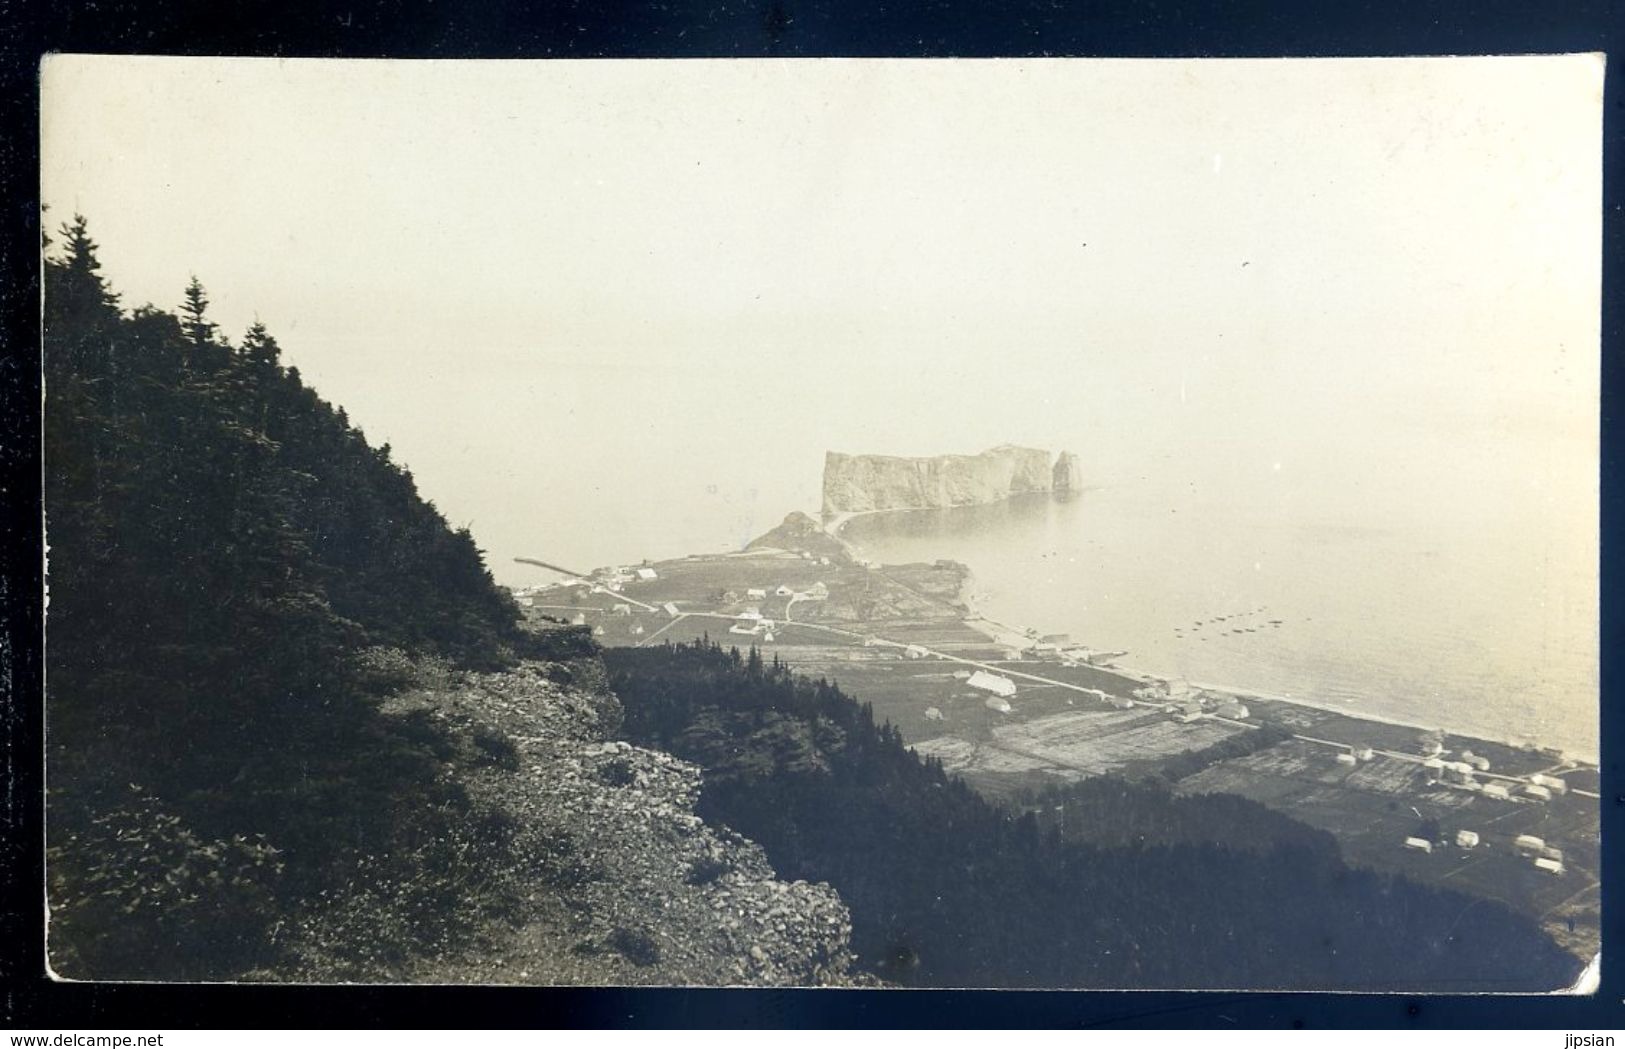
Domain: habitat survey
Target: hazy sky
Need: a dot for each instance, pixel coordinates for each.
(607, 310)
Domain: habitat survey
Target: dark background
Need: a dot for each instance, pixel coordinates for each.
(782, 28)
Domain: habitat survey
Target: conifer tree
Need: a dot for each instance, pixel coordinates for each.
(260, 349)
(77, 291)
(194, 314)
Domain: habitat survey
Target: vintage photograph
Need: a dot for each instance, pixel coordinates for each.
(1019, 523)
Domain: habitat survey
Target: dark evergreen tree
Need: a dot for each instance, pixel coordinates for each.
(224, 549)
(194, 314)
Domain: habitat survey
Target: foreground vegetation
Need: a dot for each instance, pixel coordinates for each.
(1107, 883)
(236, 578)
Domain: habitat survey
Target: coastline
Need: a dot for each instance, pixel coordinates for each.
(1007, 636)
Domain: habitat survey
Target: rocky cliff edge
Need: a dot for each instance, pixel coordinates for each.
(622, 882)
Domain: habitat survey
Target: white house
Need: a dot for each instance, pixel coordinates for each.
(994, 683)
(915, 652)
(751, 613)
(1496, 790)
(998, 703)
(670, 609)
(756, 593)
(741, 628)
(621, 610)
(784, 591)
(1529, 841)
(1345, 758)
(1550, 866)
(1536, 791)
(647, 574)
(1467, 839)
(1551, 783)
(1419, 844)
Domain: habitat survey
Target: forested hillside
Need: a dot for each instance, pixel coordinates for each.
(235, 578)
(1126, 886)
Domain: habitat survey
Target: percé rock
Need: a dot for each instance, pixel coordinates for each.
(1068, 473)
(855, 483)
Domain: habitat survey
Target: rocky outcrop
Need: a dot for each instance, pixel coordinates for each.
(1068, 473)
(799, 533)
(622, 882)
(855, 483)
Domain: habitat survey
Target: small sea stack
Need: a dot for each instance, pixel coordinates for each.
(1068, 473)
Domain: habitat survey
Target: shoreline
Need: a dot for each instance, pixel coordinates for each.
(1010, 637)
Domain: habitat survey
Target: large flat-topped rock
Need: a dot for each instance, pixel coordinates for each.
(855, 483)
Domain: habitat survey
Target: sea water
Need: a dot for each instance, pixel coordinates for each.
(1479, 623)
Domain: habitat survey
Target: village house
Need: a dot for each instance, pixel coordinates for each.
(1551, 783)
(994, 683)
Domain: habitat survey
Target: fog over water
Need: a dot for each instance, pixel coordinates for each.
(1337, 320)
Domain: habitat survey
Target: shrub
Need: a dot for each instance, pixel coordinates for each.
(494, 748)
(138, 893)
(707, 870)
(635, 945)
